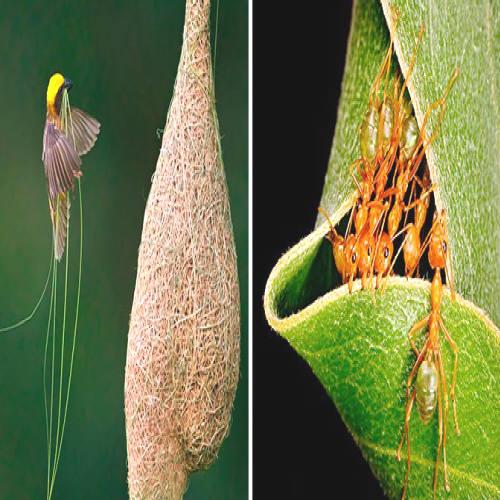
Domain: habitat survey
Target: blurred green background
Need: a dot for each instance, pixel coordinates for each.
(122, 57)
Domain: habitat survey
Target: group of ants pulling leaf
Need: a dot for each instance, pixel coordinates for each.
(394, 191)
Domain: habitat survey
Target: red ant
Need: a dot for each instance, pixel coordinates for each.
(348, 253)
(430, 387)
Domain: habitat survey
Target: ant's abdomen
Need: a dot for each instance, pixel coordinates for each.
(427, 387)
(368, 134)
(386, 126)
(409, 138)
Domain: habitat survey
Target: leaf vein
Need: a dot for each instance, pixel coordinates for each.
(423, 461)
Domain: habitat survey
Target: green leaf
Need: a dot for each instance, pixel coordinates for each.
(357, 343)
(357, 346)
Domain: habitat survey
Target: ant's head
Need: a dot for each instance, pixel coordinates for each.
(352, 253)
(339, 255)
(384, 254)
(366, 251)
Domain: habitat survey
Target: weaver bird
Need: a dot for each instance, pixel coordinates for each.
(69, 133)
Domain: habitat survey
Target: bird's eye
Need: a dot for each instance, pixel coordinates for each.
(369, 251)
(386, 252)
(353, 258)
(445, 247)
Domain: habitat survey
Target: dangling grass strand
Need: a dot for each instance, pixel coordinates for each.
(63, 332)
(47, 338)
(67, 123)
(37, 305)
(52, 370)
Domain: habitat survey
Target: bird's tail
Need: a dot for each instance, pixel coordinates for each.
(59, 213)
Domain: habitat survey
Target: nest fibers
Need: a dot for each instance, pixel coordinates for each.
(183, 345)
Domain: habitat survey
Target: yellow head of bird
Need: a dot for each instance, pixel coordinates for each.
(57, 84)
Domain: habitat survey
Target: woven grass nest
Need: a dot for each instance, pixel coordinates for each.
(184, 339)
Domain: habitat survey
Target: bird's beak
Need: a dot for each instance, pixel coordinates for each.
(68, 84)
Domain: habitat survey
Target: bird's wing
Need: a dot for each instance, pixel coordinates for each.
(60, 159)
(59, 213)
(85, 131)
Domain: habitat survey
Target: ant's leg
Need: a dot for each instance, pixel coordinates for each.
(324, 213)
(454, 379)
(384, 68)
(440, 103)
(445, 419)
(401, 231)
(449, 276)
(364, 280)
(379, 275)
(447, 269)
(419, 182)
(395, 256)
(421, 197)
(406, 436)
(355, 165)
(412, 63)
(389, 192)
(440, 442)
(349, 223)
(417, 364)
(409, 406)
(416, 159)
(415, 203)
(416, 328)
(375, 203)
(351, 280)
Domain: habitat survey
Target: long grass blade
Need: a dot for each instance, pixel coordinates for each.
(52, 370)
(47, 339)
(63, 332)
(37, 305)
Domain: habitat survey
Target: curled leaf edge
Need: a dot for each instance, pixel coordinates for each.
(282, 325)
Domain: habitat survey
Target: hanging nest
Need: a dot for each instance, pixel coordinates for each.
(184, 339)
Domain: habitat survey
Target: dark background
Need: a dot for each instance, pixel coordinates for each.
(301, 447)
(122, 57)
